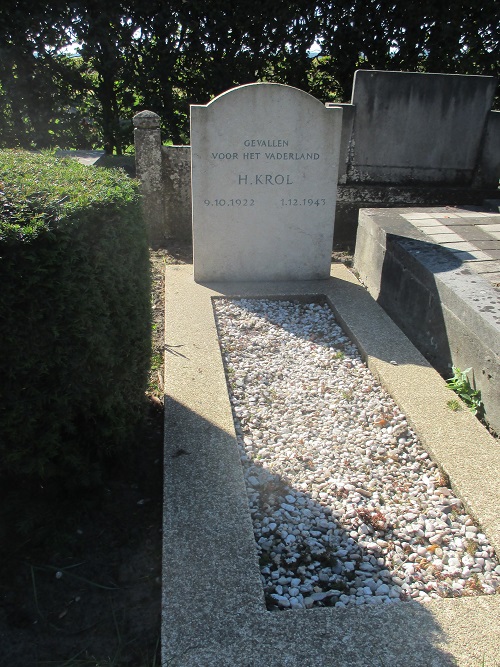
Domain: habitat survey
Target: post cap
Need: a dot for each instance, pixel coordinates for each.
(146, 120)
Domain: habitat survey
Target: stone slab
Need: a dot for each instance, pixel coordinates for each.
(264, 177)
(489, 165)
(446, 300)
(421, 124)
(492, 205)
(213, 605)
(88, 158)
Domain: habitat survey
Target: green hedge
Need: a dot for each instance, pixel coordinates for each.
(75, 318)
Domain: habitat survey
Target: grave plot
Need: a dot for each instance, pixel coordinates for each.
(214, 605)
(347, 507)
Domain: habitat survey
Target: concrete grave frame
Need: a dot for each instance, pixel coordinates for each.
(213, 602)
(438, 297)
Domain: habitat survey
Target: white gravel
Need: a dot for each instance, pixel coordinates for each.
(347, 507)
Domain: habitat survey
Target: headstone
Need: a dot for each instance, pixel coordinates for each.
(416, 127)
(264, 180)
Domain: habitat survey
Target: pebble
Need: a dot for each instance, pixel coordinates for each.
(348, 508)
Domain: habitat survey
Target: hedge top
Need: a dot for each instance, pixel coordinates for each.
(38, 191)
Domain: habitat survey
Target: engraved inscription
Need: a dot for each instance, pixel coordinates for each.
(229, 202)
(266, 143)
(265, 179)
(303, 202)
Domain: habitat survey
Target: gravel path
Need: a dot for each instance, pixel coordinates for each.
(347, 507)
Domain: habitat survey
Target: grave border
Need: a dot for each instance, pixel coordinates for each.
(213, 602)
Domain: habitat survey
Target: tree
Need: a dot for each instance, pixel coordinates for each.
(37, 84)
(193, 51)
(166, 55)
(106, 34)
(429, 36)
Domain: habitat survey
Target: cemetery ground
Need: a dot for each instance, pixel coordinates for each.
(81, 585)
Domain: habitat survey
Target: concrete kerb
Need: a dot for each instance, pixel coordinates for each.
(213, 603)
(446, 304)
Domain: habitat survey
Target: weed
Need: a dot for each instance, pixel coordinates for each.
(461, 385)
(156, 361)
(454, 405)
(474, 584)
(115, 659)
(472, 547)
(35, 593)
(373, 518)
(264, 559)
(444, 479)
(65, 571)
(155, 384)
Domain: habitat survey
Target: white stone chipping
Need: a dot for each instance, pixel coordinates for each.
(347, 507)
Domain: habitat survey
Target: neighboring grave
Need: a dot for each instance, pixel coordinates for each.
(264, 180)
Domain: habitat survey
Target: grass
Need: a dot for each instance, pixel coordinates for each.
(118, 654)
(64, 571)
(155, 385)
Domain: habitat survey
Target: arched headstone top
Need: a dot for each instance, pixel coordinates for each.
(267, 89)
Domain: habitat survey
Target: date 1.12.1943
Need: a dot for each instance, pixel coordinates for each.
(303, 202)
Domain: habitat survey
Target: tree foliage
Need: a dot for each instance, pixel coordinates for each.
(165, 55)
(457, 36)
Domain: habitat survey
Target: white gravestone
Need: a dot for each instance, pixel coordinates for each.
(264, 182)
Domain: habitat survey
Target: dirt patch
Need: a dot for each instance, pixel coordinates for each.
(88, 592)
(343, 256)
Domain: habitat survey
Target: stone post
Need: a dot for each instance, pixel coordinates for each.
(148, 157)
